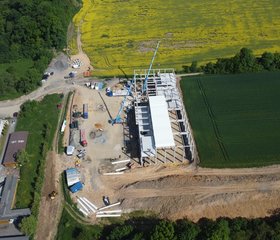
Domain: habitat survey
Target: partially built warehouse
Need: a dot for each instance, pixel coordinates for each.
(164, 133)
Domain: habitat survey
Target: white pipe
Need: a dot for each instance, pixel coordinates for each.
(82, 204)
(112, 211)
(88, 206)
(120, 169)
(83, 212)
(113, 173)
(108, 215)
(90, 203)
(121, 161)
(112, 205)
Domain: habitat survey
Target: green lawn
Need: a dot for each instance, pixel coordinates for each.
(34, 120)
(235, 118)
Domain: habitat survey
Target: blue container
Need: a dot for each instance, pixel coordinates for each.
(85, 111)
(85, 115)
(76, 187)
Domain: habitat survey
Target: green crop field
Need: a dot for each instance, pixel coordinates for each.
(235, 118)
(121, 35)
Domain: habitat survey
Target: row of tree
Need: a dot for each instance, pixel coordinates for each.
(205, 229)
(31, 29)
(243, 62)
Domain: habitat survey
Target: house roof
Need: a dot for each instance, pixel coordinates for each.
(17, 141)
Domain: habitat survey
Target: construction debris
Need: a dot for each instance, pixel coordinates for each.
(88, 208)
(121, 161)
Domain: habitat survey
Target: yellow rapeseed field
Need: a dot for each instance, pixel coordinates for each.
(120, 35)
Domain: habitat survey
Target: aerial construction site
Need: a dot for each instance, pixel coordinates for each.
(129, 146)
(128, 128)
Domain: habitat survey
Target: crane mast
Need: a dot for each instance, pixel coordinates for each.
(144, 89)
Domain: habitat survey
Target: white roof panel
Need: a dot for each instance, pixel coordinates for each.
(161, 123)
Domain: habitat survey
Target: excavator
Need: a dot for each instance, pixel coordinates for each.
(52, 195)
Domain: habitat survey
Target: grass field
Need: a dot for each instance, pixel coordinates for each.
(235, 118)
(34, 121)
(124, 33)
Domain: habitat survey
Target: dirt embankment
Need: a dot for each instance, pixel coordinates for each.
(207, 194)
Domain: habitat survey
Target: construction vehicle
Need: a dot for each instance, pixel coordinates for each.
(52, 195)
(77, 163)
(83, 138)
(106, 200)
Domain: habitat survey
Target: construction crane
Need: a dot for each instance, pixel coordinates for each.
(118, 119)
(144, 88)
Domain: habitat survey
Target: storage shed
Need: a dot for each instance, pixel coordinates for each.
(72, 176)
(16, 143)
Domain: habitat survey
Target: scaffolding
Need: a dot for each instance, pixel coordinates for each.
(162, 82)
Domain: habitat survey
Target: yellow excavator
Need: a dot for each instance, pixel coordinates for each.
(52, 195)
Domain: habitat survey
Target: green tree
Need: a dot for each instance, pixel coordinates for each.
(186, 230)
(84, 235)
(163, 231)
(220, 231)
(120, 232)
(264, 230)
(267, 61)
(28, 225)
(22, 158)
(193, 67)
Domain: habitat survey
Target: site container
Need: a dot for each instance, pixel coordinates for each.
(76, 187)
(85, 111)
(83, 137)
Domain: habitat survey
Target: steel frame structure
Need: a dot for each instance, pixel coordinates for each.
(163, 82)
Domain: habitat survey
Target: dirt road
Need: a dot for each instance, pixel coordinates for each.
(50, 210)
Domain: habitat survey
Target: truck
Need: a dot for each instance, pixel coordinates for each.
(85, 111)
(83, 137)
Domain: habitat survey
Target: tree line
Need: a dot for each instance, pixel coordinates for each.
(33, 30)
(243, 62)
(143, 228)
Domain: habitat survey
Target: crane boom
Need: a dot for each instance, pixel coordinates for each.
(150, 67)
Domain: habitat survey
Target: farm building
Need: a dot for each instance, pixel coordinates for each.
(16, 143)
(163, 128)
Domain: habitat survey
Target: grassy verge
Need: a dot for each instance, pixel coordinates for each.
(69, 228)
(60, 147)
(68, 201)
(40, 120)
(235, 118)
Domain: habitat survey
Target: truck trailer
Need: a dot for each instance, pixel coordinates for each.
(83, 137)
